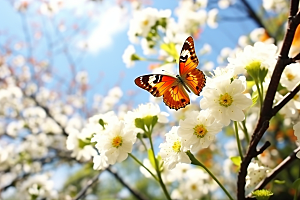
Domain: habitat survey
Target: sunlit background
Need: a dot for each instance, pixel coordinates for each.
(76, 48)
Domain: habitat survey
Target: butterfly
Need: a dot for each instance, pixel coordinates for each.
(173, 89)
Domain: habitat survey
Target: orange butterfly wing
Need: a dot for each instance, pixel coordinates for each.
(188, 61)
(174, 89)
(174, 94)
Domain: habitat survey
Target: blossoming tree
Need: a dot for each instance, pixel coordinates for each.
(238, 140)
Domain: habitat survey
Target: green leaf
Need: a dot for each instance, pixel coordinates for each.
(102, 123)
(254, 98)
(139, 123)
(296, 184)
(250, 84)
(253, 69)
(262, 194)
(236, 160)
(151, 158)
(170, 49)
(163, 22)
(280, 182)
(262, 74)
(150, 121)
(83, 143)
(154, 120)
(136, 57)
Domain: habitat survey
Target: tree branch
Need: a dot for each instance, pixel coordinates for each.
(285, 99)
(49, 114)
(89, 184)
(254, 16)
(267, 111)
(133, 192)
(292, 157)
(263, 148)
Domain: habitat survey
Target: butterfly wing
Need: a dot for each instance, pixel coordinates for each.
(174, 94)
(173, 88)
(188, 59)
(188, 62)
(195, 80)
(176, 97)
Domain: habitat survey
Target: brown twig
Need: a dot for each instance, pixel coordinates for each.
(286, 99)
(136, 194)
(292, 157)
(267, 112)
(254, 16)
(49, 114)
(89, 184)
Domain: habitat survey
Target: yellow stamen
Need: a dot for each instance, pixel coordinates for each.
(225, 100)
(200, 131)
(117, 141)
(145, 23)
(194, 187)
(290, 77)
(176, 146)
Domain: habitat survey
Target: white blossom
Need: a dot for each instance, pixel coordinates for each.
(171, 151)
(290, 77)
(127, 56)
(261, 53)
(256, 173)
(198, 130)
(145, 110)
(38, 186)
(226, 100)
(114, 145)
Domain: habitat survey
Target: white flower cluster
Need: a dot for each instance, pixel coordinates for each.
(194, 183)
(38, 186)
(148, 24)
(262, 53)
(37, 122)
(256, 173)
(112, 137)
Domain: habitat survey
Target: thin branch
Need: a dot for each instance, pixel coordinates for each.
(133, 192)
(89, 184)
(285, 99)
(14, 182)
(254, 16)
(45, 160)
(292, 157)
(264, 147)
(48, 114)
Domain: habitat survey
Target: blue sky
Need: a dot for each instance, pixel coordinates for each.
(105, 65)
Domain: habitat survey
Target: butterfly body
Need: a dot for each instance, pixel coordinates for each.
(173, 89)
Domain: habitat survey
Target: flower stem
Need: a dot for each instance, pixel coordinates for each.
(139, 162)
(142, 141)
(152, 60)
(259, 93)
(198, 163)
(238, 139)
(262, 89)
(246, 131)
(157, 168)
